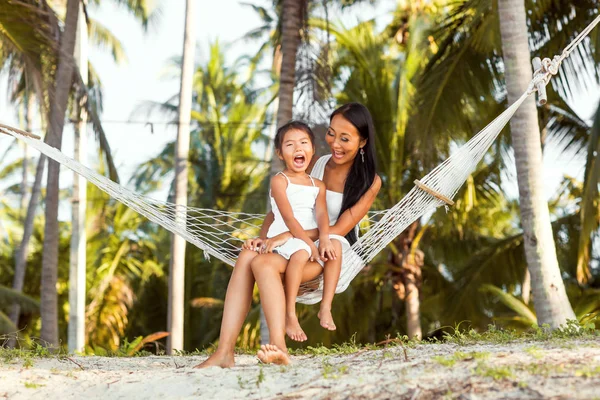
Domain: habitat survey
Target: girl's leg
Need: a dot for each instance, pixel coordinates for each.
(331, 276)
(237, 304)
(293, 278)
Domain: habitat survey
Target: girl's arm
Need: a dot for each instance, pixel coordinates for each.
(352, 216)
(278, 188)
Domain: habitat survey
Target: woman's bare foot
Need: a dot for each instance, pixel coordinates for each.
(326, 319)
(293, 329)
(271, 354)
(217, 360)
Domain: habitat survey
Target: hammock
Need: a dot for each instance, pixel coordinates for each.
(221, 233)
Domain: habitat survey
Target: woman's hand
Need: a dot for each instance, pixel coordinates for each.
(254, 244)
(269, 244)
(326, 249)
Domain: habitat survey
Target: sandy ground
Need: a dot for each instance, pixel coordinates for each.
(567, 369)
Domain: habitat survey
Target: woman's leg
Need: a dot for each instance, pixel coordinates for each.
(267, 271)
(331, 276)
(237, 304)
(293, 278)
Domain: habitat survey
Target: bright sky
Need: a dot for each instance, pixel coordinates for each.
(126, 86)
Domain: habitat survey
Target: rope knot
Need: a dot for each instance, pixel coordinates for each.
(551, 66)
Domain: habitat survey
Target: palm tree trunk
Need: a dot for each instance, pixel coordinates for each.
(77, 267)
(526, 287)
(58, 106)
(29, 112)
(290, 40)
(551, 303)
(407, 283)
(177, 273)
(412, 303)
(29, 215)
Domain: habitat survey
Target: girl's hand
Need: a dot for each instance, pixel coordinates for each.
(326, 249)
(314, 256)
(254, 244)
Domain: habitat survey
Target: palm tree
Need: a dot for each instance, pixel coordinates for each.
(58, 108)
(227, 119)
(77, 259)
(551, 302)
(177, 270)
(37, 60)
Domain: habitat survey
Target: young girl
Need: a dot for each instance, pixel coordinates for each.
(298, 204)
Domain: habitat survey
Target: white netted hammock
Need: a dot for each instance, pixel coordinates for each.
(221, 233)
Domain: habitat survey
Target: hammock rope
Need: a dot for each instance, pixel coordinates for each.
(221, 233)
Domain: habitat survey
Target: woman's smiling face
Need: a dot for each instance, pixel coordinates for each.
(344, 140)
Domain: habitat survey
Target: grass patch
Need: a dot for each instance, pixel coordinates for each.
(535, 352)
(588, 372)
(449, 361)
(33, 385)
(333, 371)
(497, 373)
(571, 330)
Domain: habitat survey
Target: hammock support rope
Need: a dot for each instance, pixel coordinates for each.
(221, 233)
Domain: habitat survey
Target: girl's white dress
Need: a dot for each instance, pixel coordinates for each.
(302, 198)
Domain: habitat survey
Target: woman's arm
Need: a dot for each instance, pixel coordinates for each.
(269, 218)
(352, 216)
(321, 211)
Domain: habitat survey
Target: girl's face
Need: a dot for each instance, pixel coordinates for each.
(296, 150)
(344, 140)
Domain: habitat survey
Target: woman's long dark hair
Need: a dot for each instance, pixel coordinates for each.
(362, 174)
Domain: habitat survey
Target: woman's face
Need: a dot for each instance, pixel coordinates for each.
(344, 140)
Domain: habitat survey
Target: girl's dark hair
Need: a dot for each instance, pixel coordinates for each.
(285, 128)
(362, 174)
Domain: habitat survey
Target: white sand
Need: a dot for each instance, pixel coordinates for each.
(557, 370)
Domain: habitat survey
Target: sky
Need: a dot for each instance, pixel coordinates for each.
(142, 79)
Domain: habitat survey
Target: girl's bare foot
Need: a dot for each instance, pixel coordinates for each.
(326, 319)
(293, 329)
(271, 354)
(217, 360)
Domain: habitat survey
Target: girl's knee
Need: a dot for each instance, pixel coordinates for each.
(337, 245)
(300, 257)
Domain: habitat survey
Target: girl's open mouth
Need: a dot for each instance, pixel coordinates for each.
(299, 161)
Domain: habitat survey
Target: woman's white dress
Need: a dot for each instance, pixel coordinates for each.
(334, 205)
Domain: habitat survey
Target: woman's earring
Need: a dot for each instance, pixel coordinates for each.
(362, 154)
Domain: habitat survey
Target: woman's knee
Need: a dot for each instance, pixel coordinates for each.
(268, 262)
(245, 259)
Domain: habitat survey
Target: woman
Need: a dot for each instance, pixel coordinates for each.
(352, 185)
